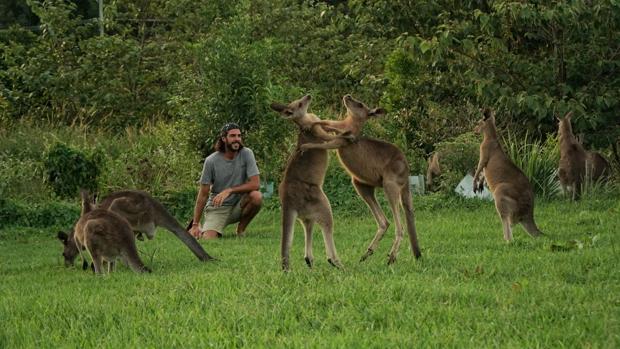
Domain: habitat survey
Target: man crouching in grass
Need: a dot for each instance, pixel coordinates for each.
(228, 186)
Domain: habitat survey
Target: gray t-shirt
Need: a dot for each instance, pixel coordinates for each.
(222, 173)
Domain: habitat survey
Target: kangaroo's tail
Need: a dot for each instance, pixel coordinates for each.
(133, 259)
(164, 219)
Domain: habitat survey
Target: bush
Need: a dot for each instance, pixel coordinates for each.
(538, 160)
(67, 170)
(457, 157)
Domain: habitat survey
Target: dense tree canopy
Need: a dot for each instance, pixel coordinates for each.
(433, 64)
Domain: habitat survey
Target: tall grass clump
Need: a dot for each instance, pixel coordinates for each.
(538, 160)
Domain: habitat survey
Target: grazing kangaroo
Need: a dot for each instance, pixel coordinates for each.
(373, 163)
(301, 189)
(513, 193)
(106, 236)
(144, 214)
(576, 164)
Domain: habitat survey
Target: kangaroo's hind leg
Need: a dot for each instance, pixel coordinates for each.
(367, 193)
(505, 206)
(288, 224)
(325, 220)
(308, 256)
(392, 191)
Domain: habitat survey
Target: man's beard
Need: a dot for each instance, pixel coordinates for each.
(234, 146)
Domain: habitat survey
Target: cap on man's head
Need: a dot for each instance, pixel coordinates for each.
(227, 127)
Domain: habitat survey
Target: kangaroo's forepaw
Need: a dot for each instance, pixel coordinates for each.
(309, 261)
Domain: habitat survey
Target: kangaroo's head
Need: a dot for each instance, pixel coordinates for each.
(487, 123)
(564, 125)
(70, 250)
(359, 112)
(295, 111)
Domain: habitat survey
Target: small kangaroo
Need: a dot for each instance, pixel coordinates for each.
(144, 214)
(433, 170)
(576, 164)
(373, 163)
(301, 189)
(513, 193)
(106, 236)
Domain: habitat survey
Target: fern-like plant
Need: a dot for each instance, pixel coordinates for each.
(538, 160)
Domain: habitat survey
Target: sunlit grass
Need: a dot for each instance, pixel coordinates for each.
(470, 289)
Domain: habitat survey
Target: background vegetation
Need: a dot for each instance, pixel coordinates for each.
(167, 73)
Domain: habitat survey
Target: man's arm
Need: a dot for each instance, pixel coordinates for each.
(252, 184)
(201, 201)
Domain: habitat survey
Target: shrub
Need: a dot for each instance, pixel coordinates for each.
(457, 157)
(538, 160)
(67, 170)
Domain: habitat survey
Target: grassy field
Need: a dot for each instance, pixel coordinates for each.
(470, 289)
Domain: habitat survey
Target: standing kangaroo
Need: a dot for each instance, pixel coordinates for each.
(301, 189)
(433, 170)
(513, 193)
(576, 164)
(373, 163)
(106, 236)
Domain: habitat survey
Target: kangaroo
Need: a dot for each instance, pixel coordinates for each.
(373, 163)
(433, 169)
(144, 214)
(301, 190)
(512, 192)
(576, 164)
(106, 236)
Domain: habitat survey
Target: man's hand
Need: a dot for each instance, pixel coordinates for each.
(218, 200)
(195, 231)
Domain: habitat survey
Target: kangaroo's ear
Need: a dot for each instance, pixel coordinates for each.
(62, 236)
(488, 113)
(279, 107)
(568, 115)
(377, 112)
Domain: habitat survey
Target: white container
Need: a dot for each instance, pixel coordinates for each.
(417, 184)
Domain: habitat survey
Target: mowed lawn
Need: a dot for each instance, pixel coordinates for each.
(470, 289)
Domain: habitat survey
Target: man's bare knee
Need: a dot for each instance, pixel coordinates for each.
(254, 198)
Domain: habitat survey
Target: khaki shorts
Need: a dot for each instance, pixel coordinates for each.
(217, 218)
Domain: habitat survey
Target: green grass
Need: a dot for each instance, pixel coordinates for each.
(471, 289)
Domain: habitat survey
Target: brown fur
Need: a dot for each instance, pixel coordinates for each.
(301, 190)
(144, 214)
(513, 193)
(373, 163)
(433, 171)
(106, 236)
(576, 164)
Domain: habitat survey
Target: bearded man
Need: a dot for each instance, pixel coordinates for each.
(228, 186)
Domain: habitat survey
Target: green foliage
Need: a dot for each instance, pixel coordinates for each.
(154, 158)
(538, 160)
(530, 61)
(457, 157)
(21, 213)
(68, 170)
